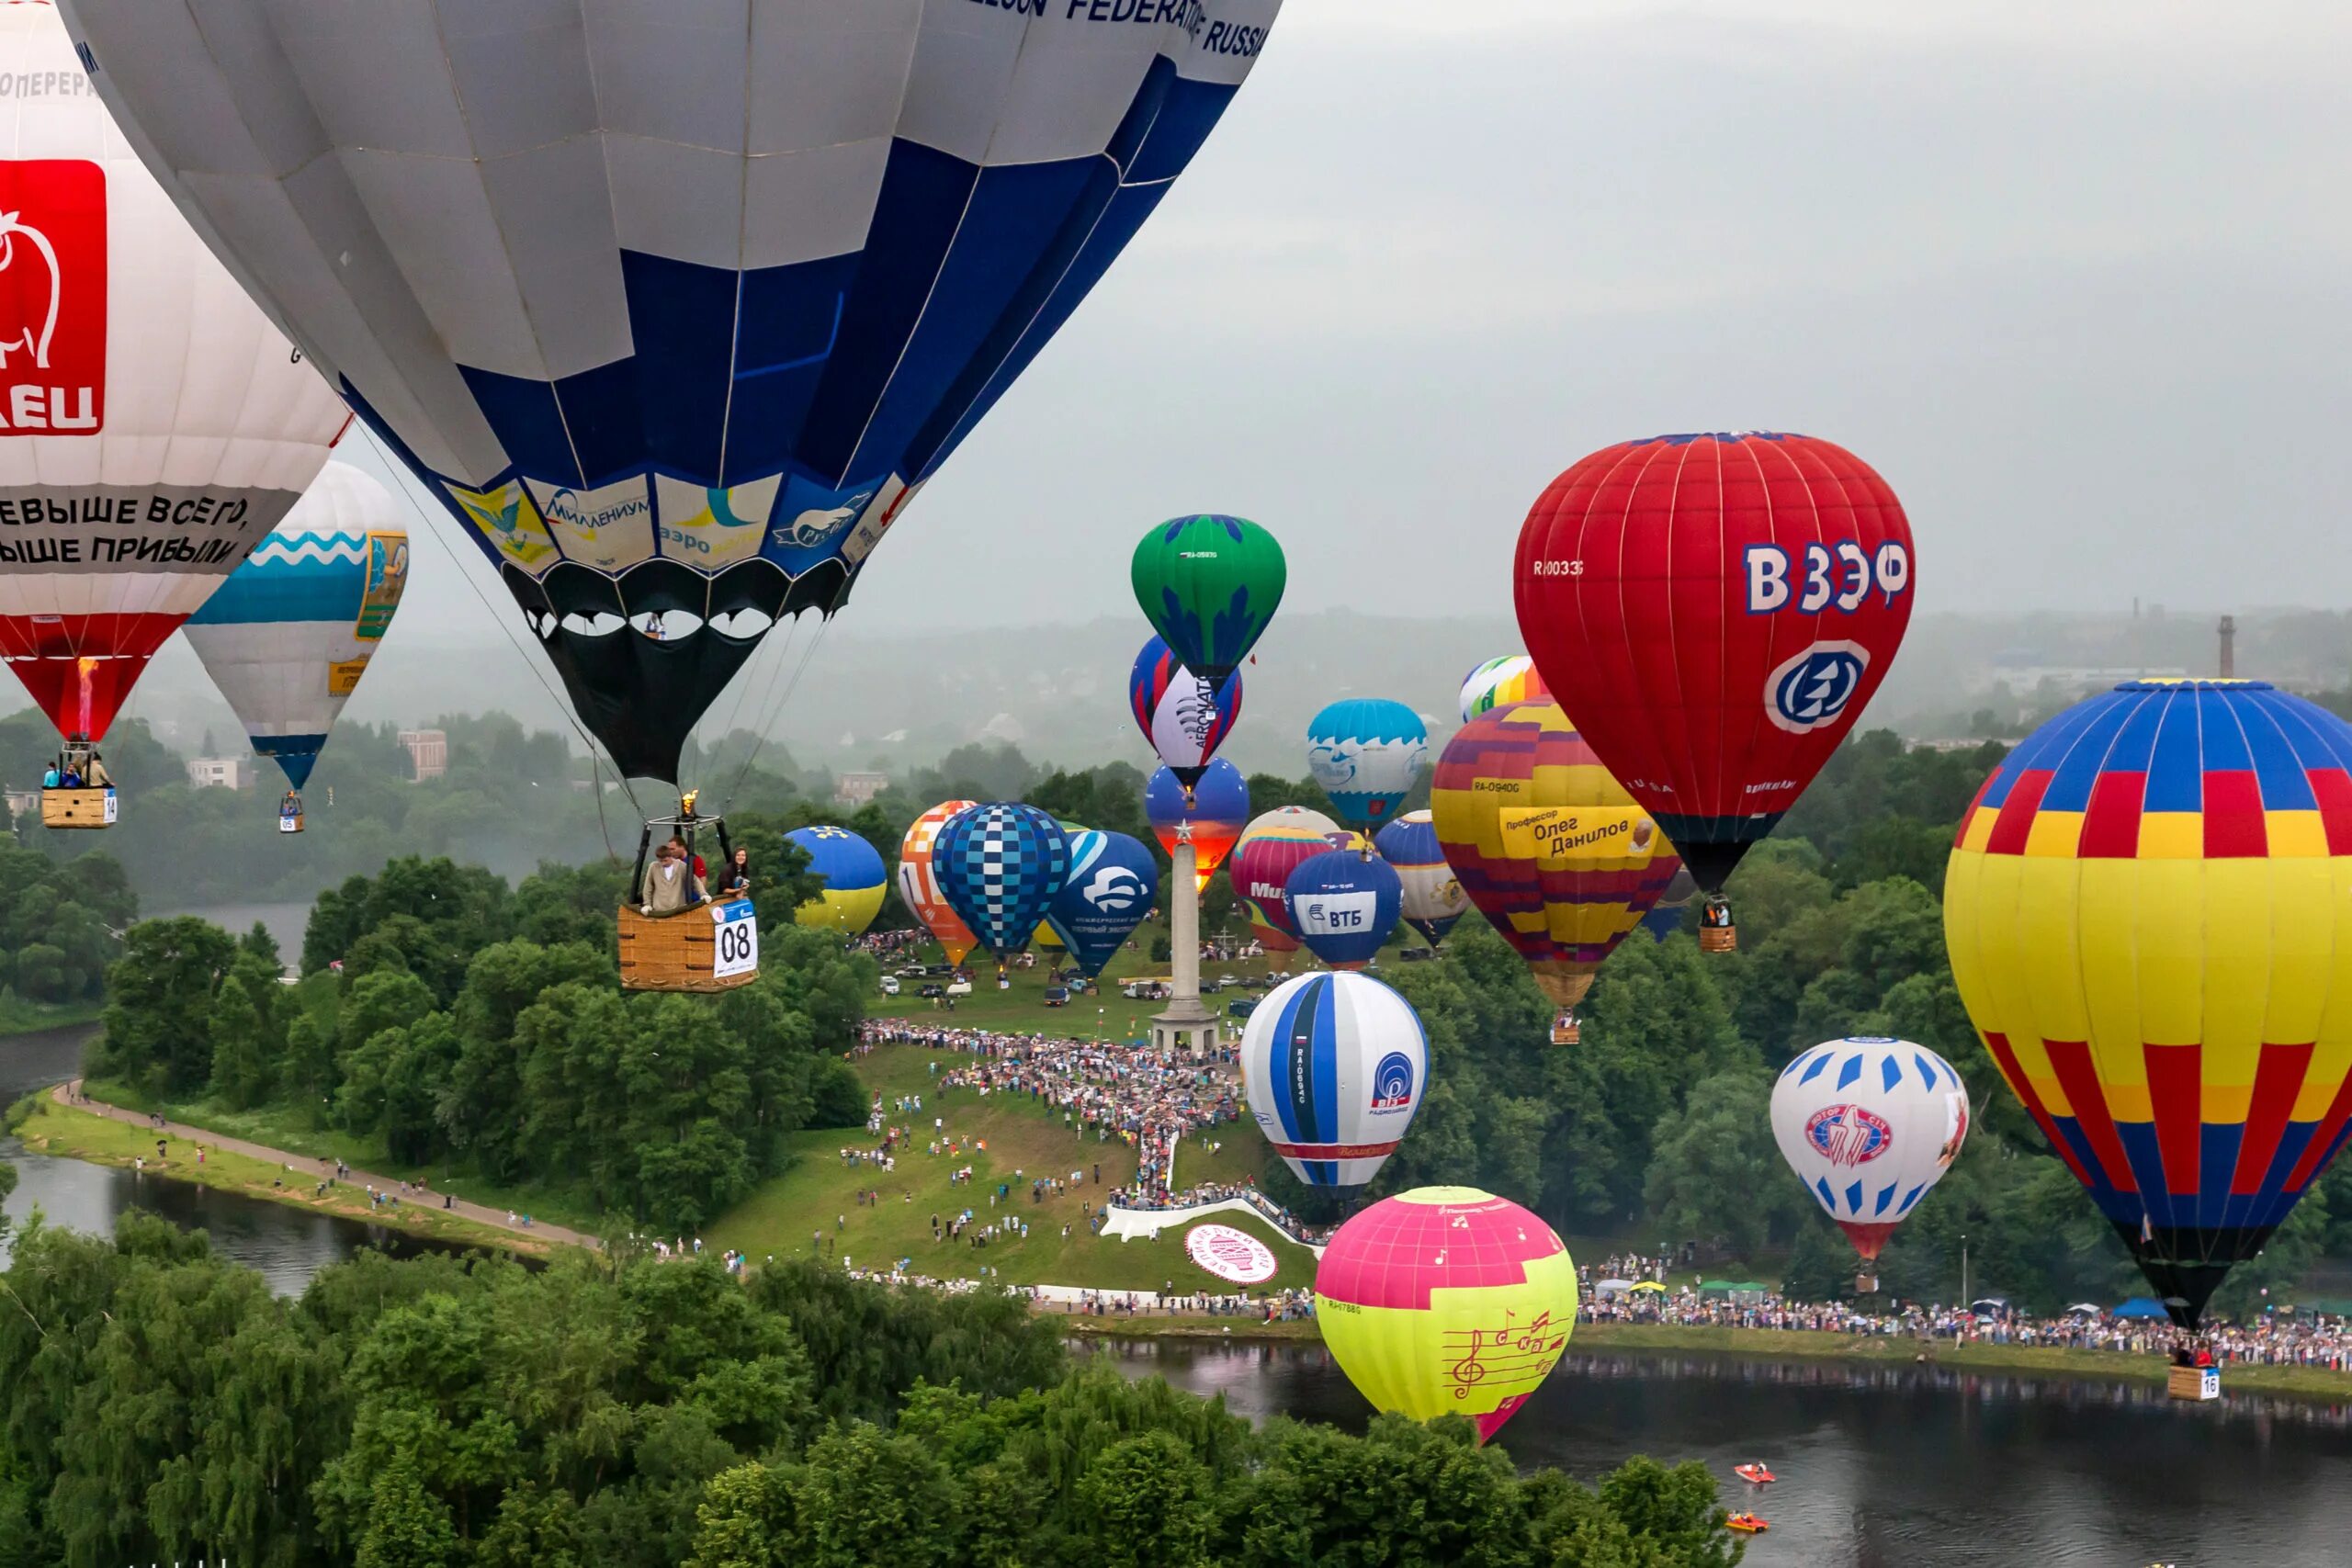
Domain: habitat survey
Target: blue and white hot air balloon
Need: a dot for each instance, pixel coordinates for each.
(998, 866)
(1335, 1067)
(1344, 903)
(1434, 898)
(288, 636)
(1113, 881)
(1367, 754)
(673, 305)
(1868, 1125)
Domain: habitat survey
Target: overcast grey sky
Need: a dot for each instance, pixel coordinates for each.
(2073, 275)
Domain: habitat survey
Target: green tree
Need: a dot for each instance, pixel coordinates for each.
(1716, 1173)
(159, 1005)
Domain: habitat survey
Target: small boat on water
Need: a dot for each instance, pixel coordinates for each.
(1754, 1473)
(1747, 1523)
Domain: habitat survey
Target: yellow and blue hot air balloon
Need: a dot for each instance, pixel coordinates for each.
(2149, 911)
(288, 636)
(855, 880)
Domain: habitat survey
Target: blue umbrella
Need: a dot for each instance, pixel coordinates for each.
(2142, 1306)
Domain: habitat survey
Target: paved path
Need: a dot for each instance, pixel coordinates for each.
(307, 1172)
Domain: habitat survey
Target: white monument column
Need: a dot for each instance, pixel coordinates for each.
(1186, 1025)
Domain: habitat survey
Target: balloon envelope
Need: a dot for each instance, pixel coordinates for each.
(1272, 847)
(289, 636)
(1334, 1066)
(1548, 847)
(1367, 754)
(1870, 1125)
(2146, 920)
(1432, 898)
(1185, 716)
(1344, 903)
(999, 866)
(1214, 815)
(1112, 880)
(673, 314)
(1446, 1301)
(1715, 611)
(1499, 683)
(918, 883)
(855, 880)
(1208, 584)
(153, 425)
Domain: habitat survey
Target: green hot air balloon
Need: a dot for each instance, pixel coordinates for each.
(1209, 586)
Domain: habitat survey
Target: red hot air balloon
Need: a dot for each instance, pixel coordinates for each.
(1714, 611)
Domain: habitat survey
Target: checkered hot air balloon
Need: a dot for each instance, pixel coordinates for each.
(1869, 1125)
(2146, 914)
(999, 866)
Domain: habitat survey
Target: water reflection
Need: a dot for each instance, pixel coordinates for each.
(1897, 1465)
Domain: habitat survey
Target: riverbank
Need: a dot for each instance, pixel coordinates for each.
(52, 1123)
(18, 1016)
(1649, 1339)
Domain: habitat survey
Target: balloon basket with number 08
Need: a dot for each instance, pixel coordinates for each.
(674, 952)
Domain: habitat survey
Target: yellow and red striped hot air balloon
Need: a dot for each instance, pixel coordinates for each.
(1446, 1301)
(919, 886)
(2149, 911)
(1546, 844)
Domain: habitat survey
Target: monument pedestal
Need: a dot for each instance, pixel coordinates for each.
(1186, 1025)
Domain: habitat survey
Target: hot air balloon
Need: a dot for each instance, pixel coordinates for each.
(1547, 846)
(1185, 716)
(919, 886)
(1112, 880)
(1345, 903)
(1212, 812)
(1272, 847)
(854, 877)
(289, 636)
(999, 866)
(1446, 1301)
(1367, 754)
(153, 425)
(2145, 912)
(1869, 1125)
(1432, 896)
(1499, 683)
(1334, 1065)
(1208, 585)
(674, 318)
(1715, 611)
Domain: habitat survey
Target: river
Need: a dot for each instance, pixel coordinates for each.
(1896, 1467)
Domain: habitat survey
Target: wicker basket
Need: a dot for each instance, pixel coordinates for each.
(672, 953)
(77, 808)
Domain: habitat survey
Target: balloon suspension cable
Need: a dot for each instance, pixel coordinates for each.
(768, 718)
(775, 650)
(427, 509)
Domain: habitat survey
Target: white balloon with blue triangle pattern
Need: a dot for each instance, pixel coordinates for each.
(1870, 1125)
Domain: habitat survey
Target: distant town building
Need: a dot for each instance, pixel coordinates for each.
(24, 805)
(854, 790)
(428, 752)
(219, 772)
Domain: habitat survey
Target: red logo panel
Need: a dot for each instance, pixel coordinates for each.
(52, 297)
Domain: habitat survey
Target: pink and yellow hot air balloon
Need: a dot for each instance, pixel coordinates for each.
(1546, 844)
(1446, 1301)
(918, 888)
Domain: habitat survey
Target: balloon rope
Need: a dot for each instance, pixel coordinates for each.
(768, 718)
(429, 510)
(766, 662)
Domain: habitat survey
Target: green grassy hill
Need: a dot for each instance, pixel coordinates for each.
(1023, 1140)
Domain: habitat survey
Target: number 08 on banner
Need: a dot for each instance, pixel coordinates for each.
(738, 939)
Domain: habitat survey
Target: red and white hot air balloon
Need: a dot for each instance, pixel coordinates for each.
(154, 427)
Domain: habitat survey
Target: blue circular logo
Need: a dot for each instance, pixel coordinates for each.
(1392, 1082)
(1813, 689)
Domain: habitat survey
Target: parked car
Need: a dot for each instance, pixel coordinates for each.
(933, 990)
(959, 987)
(1226, 980)
(1241, 1008)
(1415, 955)
(1056, 996)
(890, 984)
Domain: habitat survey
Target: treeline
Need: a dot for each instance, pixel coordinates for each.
(1656, 1128)
(58, 925)
(483, 1033)
(157, 1405)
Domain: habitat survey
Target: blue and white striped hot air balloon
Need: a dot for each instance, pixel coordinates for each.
(998, 866)
(1335, 1067)
(1868, 1125)
(1367, 754)
(286, 638)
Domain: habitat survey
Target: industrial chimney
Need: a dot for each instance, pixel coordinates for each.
(2229, 647)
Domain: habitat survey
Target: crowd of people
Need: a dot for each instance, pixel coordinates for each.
(2274, 1339)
